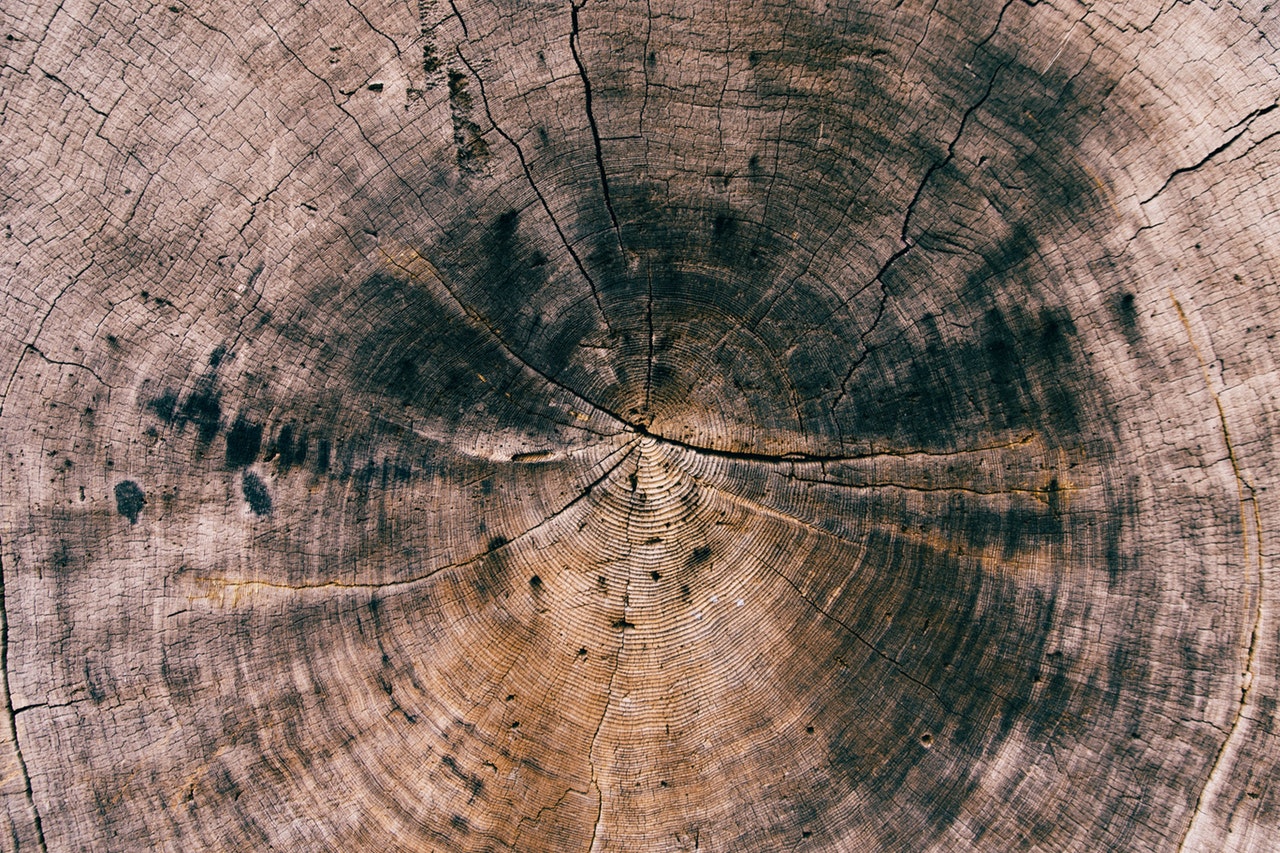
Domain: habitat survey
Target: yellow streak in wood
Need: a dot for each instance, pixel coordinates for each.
(413, 264)
(1102, 188)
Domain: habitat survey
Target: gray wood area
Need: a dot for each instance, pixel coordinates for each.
(639, 425)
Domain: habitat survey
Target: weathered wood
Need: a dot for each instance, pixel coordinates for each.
(640, 426)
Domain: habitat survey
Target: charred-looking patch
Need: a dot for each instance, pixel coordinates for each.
(203, 408)
(742, 428)
(243, 440)
(129, 500)
(255, 493)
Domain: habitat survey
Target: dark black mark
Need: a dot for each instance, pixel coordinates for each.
(535, 583)
(474, 784)
(655, 575)
(1004, 368)
(255, 493)
(215, 357)
(375, 87)
(62, 557)
(204, 409)
(504, 227)
(430, 62)
(459, 822)
(129, 500)
(243, 440)
(165, 406)
(700, 555)
(621, 624)
(1127, 314)
(286, 450)
(723, 227)
(1054, 332)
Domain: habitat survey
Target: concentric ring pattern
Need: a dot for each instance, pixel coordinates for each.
(640, 426)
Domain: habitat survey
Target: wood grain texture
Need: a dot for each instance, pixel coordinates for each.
(630, 425)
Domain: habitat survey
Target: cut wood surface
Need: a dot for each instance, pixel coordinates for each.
(639, 426)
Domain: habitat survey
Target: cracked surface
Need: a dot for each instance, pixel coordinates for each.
(631, 425)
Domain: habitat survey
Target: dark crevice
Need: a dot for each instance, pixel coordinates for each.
(461, 20)
(1247, 495)
(496, 544)
(33, 348)
(510, 350)
(1244, 124)
(591, 119)
(893, 663)
(524, 164)
(905, 236)
(13, 717)
(800, 458)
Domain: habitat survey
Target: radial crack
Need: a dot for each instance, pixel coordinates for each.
(591, 117)
(432, 276)
(546, 206)
(798, 457)
(13, 717)
(1247, 496)
(872, 647)
(911, 487)
(789, 518)
(617, 664)
(1244, 124)
(236, 585)
(905, 236)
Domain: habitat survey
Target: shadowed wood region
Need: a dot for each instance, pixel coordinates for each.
(629, 425)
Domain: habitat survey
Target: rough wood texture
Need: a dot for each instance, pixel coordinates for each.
(640, 426)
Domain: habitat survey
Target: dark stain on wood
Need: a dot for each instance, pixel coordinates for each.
(129, 500)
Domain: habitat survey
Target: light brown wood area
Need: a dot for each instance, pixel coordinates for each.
(639, 426)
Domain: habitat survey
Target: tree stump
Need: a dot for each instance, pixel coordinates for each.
(640, 426)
